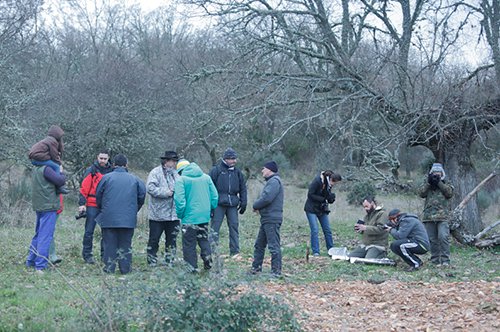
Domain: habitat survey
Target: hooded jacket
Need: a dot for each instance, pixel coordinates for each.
(119, 196)
(195, 196)
(270, 202)
(409, 227)
(49, 148)
(160, 187)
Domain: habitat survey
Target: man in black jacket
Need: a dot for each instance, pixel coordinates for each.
(232, 190)
(119, 196)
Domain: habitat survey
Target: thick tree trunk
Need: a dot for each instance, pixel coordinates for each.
(462, 175)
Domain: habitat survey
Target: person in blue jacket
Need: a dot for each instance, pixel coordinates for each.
(195, 196)
(119, 196)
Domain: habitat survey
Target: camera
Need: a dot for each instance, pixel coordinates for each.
(360, 222)
(434, 179)
(81, 215)
(325, 208)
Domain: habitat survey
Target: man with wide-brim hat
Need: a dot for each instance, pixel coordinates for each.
(162, 216)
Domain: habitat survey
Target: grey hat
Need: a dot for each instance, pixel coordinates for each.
(394, 213)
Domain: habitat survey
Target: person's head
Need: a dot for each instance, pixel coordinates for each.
(181, 165)
(331, 177)
(394, 216)
(269, 169)
(120, 160)
(437, 169)
(103, 157)
(369, 203)
(230, 157)
(56, 132)
(169, 159)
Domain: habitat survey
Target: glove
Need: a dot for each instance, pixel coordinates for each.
(242, 209)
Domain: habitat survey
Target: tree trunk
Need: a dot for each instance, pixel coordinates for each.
(462, 175)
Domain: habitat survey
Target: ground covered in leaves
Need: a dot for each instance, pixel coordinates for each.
(394, 305)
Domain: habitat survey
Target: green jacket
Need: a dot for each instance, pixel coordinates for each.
(437, 205)
(375, 233)
(44, 196)
(195, 196)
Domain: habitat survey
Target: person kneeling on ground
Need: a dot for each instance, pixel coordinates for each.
(411, 238)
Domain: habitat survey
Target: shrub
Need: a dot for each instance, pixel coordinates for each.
(187, 303)
(359, 191)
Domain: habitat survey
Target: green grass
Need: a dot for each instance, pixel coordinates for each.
(63, 299)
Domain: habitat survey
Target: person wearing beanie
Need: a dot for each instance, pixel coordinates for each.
(161, 208)
(437, 211)
(119, 196)
(48, 152)
(195, 196)
(269, 206)
(410, 238)
(319, 197)
(232, 190)
(87, 206)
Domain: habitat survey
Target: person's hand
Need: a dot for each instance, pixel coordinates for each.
(170, 193)
(360, 228)
(82, 209)
(242, 209)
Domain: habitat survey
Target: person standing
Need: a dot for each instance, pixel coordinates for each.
(161, 207)
(195, 197)
(87, 203)
(269, 205)
(45, 202)
(437, 210)
(319, 196)
(232, 190)
(119, 196)
(410, 238)
(374, 239)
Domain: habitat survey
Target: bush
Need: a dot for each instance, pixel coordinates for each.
(187, 303)
(359, 191)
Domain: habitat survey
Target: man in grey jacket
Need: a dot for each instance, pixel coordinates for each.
(119, 196)
(162, 217)
(270, 207)
(411, 238)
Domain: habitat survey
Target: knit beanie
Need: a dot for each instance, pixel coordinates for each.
(181, 164)
(272, 166)
(229, 154)
(437, 167)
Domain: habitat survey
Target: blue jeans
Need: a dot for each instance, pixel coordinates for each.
(325, 225)
(88, 236)
(117, 249)
(40, 244)
(49, 163)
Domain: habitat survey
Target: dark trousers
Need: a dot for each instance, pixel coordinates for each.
(156, 229)
(231, 213)
(88, 236)
(269, 235)
(439, 237)
(408, 250)
(192, 235)
(117, 248)
(40, 243)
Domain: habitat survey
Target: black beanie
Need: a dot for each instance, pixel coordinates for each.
(272, 166)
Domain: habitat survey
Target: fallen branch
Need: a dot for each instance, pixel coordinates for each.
(486, 230)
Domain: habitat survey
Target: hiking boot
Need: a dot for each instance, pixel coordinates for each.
(89, 260)
(56, 261)
(207, 264)
(412, 268)
(254, 271)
